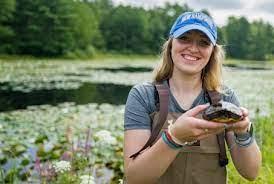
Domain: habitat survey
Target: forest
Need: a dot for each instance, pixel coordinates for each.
(82, 28)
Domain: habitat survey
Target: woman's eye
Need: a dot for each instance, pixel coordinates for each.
(184, 38)
(204, 43)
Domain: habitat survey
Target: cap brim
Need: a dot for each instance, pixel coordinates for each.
(187, 28)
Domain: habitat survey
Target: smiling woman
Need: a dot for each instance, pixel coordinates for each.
(162, 119)
(191, 52)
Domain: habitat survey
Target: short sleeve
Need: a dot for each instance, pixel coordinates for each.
(137, 109)
(230, 96)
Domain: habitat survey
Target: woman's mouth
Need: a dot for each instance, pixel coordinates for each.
(190, 58)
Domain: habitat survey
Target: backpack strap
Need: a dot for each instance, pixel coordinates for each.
(163, 99)
(215, 97)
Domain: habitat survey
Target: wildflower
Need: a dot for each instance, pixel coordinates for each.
(65, 110)
(105, 137)
(87, 179)
(61, 166)
(31, 140)
(67, 155)
(120, 181)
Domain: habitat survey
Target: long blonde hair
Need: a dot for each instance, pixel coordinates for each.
(211, 74)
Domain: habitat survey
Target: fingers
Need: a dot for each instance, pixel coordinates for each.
(240, 126)
(203, 128)
(209, 133)
(187, 128)
(201, 137)
(244, 111)
(204, 124)
(196, 110)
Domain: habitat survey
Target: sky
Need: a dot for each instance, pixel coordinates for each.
(219, 9)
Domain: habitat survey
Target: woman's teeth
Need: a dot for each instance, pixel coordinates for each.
(188, 57)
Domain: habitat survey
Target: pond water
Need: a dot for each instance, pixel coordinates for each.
(87, 93)
(123, 69)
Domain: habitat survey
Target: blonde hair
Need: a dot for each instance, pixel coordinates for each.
(211, 74)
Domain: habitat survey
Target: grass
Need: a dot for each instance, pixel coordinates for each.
(264, 136)
(249, 63)
(110, 57)
(99, 57)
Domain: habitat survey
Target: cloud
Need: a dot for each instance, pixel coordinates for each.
(145, 3)
(202, 4)
(252, 9)
(265, 6)
(216, 4)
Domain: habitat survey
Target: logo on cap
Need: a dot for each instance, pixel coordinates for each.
(194, 20)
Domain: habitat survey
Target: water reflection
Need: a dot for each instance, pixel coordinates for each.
(238, 67)
(87, 93)
(122, 69)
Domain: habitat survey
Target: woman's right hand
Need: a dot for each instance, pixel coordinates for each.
(188, 127)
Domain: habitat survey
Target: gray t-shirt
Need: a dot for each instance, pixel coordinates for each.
(141, 103)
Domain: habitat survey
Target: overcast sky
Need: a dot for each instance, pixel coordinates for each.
(219, 9)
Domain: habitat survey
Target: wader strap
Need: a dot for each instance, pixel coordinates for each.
(223, 161)
(215, 97)
(163, 92)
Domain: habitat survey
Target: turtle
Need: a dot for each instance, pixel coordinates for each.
(223, 112)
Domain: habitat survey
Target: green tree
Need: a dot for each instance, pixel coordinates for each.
(43, 27)
(221, 37)
(101, 9)
(6, 32)
(258, 41)
(160, 21)
(237, 33)
(52, 28)
(270, 36)
(86, 25)
(124, 29)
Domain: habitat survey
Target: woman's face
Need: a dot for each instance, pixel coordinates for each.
(191, 52)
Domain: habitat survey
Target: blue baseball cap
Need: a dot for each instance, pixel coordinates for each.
(194, 21)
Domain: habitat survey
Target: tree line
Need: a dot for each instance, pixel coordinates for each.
(76, 28)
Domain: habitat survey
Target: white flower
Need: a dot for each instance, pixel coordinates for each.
(61, 166)
(105, 137)
(65, 110)
(31, 140)
(87, 179)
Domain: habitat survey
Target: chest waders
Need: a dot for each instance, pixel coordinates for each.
(201, 163)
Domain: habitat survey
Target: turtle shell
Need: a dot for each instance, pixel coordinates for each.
(223, 112)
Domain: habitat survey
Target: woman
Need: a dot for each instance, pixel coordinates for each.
(191, 66)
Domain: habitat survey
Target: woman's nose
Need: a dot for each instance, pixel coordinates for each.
(194, 46)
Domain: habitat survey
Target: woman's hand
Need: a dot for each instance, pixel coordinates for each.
(188, 127)
(240, 126)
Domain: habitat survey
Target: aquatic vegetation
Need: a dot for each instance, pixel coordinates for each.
(55, 132)
(254, 89)
(76, 143)
(27, 76)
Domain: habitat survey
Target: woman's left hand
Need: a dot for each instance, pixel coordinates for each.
(240, 126)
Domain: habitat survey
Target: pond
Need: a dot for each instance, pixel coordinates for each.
(47, 106)
(87, 93)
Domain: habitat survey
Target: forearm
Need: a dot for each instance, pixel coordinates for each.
(247, 160)
(150, 165)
